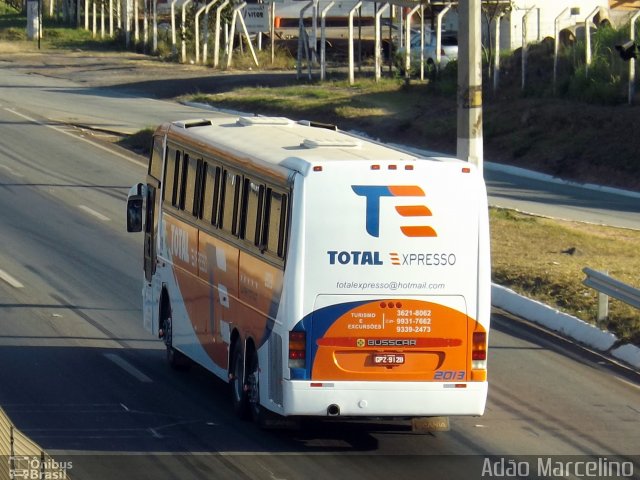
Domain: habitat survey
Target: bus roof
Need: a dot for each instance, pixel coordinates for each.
(279, 144)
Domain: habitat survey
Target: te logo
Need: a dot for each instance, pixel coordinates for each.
(373, 194)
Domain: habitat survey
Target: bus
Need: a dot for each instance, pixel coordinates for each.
(316, 272)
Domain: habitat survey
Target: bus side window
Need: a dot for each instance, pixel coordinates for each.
(168, 175)
(172, 171)
(251, 217)
(275, 232)
(283, 234)
(155, 160)
(190, 189)
(201, 170)
(174, 184)
(211, 200)
(230, 199)
(182, 187)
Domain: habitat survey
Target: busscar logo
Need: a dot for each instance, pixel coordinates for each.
(360, 343)
(391, 342)
(373, 195)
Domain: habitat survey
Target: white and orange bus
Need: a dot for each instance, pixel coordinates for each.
(317, 272)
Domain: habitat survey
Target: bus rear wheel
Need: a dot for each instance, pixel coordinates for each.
(239, 395)
(263, 417)
(253, 390)
(175, 359)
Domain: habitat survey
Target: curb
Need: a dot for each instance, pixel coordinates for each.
(523, 172)
(564, 324)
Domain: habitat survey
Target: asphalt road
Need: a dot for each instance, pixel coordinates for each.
(82, 378)
(532, 194)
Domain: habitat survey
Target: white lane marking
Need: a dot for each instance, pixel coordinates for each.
(91, 211)
(61, 130)
(11, 171)
(127, 367)
(10, 280)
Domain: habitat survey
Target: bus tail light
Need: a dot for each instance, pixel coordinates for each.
(297, 349)
(479, 351)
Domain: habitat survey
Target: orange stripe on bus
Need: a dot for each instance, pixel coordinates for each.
(419, 231)
(413, 211)
(406, 191)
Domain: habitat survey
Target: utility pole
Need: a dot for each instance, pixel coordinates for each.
(469, 145)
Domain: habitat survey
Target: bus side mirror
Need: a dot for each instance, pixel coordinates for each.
(134, 208)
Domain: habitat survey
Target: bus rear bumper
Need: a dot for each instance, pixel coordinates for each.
(379, 399)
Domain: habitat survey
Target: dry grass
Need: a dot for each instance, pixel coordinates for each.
(543, 259)
(17, 46)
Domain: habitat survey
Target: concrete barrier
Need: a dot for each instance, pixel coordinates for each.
(21, 457)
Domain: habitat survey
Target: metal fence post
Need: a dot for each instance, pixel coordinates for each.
(525, 47)
(587, 38)
(603, 307)
(323, 39)
(556, 45)
(351, 51)
(610, 287)
(632, 61)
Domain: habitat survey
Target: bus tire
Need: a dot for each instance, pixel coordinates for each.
(264, 418)
(239, 395)
(256, 410)
(176, 360)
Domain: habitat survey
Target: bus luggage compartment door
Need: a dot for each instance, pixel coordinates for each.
(391, 339)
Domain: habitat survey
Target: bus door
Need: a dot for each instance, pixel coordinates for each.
(151, 287)
(150, 232)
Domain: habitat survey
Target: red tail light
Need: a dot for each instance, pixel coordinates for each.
(479, 351)
(297, 349)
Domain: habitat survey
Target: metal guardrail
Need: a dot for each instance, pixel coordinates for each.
(610, 287)
(21, 457)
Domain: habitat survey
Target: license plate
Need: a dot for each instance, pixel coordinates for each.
(388, 358)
